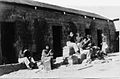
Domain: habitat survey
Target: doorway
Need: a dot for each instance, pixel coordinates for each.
(57, 37)
(7, 42)
(99, 38)
(87, 32)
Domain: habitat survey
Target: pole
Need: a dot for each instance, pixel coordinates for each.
(119, 41)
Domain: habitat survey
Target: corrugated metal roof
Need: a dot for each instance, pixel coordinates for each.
(40, 4)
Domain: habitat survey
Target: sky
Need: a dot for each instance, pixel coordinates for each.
(107, 8)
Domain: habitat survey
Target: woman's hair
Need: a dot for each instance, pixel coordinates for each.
(70, 32)
(27, 53)
(47, 45)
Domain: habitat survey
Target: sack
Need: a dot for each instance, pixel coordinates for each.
(71, 51)
(47, 65)
(75, 59)
(33, 65)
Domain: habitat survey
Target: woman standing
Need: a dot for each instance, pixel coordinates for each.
(104, 44)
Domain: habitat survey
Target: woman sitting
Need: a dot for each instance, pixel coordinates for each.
(46, 58)
(26, 58)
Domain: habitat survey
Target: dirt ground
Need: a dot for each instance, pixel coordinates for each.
(109, 68)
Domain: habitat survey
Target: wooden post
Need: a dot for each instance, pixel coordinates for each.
(0, 57)
(0, 48)
(119, 41)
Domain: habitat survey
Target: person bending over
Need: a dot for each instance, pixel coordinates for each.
(71, 42)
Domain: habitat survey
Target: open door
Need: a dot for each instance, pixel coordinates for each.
(57, 36)
(99, 38)
(7, 42)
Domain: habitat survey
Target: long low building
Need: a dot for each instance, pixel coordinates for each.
(31, 24)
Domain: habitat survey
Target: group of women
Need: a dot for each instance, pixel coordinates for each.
(83, 46)
(80, 47)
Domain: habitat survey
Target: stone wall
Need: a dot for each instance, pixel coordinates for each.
(34, 26)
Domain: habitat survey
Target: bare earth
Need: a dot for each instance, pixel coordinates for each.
(97, 69)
